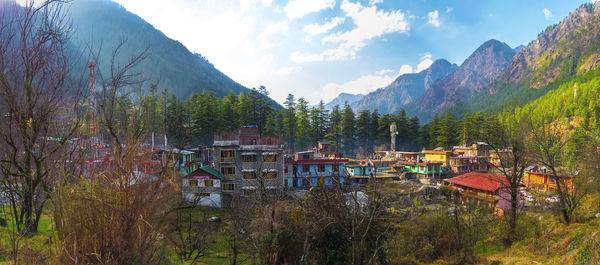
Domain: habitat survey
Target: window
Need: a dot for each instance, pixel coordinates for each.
(334, 168)
(270, 158)
(305, 156)
(285, 169)
(321, 168)
(228, 170)
(227, 155)
(270, 175)
(305, 168)
(193, 182)
(248, 158)
(208, 183)
(202, 195)
(250, 175)
(228, 187)
(248, 192)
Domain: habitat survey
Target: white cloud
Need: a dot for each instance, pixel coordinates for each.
(426, 61)
(314, 29)
(433, 18)
(384, 71)
(449, 9)
(405, 69)
(281, 27)
(370, 23)
(374, 2)
(300, 8)
(300, 57)
(287, 70)
(547, 14)
(361, 85)
(248, 5)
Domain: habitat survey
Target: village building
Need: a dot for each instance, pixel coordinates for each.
(203, 187)
(482, 189)
(425, 172)
(320, 171)
(541, 179)
(248, 161)
(361, 171)
(441, 156)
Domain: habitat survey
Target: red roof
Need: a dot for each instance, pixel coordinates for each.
(480, 181)
(321, 161)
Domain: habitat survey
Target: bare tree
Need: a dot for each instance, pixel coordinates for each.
(549, 148)
(508, 142)
(39, 104)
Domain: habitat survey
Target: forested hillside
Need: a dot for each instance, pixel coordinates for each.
(167, 61)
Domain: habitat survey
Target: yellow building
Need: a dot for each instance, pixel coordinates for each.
(437, 156)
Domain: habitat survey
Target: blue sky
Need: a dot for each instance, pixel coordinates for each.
(318, 48)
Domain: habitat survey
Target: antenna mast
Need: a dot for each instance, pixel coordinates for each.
(93, 121)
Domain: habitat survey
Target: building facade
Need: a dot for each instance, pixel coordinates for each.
(248, 162)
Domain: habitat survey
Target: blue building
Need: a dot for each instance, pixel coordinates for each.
(318, 171)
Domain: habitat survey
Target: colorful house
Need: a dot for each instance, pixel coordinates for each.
(364, 170)
(425, 172)
(482, 189)
(203, 186)
(540, 179)
(324, 171)
(437, 156)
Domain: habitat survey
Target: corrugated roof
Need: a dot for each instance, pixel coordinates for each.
(480, 181)
(211, 171)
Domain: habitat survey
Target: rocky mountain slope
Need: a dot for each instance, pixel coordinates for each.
(559, 54)
(405, 89)
(342, 98)
(483, 65)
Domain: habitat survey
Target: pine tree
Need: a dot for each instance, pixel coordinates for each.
(348, 130)
(303, 132)
(373, 128)
(290, 121)
(363, 129)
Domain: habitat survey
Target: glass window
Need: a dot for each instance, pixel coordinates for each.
(228, 170)
(270, 158)
(248, 158)
(193, 182)
(250, 175)
(208, 183)
(305, 168)
(334, 168)
(321, 168)
(228, 187)
(270, 175)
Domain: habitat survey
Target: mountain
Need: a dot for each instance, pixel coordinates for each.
(103, 24)
(342, 98)
(405, 88)
(519, 48)
(484, 64)
(561, 53)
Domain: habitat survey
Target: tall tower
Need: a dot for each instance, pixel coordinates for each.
(93, 121)
(393, 132)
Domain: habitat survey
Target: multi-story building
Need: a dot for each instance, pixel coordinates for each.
(248, 161)
(319, 171)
